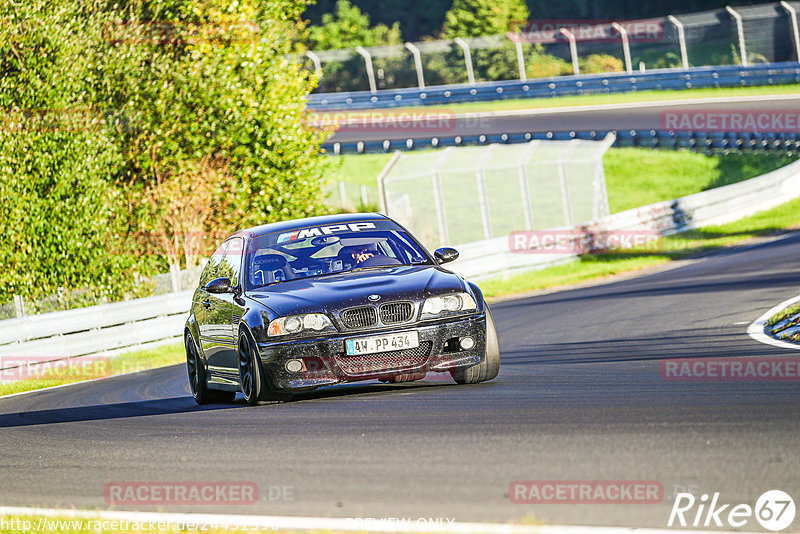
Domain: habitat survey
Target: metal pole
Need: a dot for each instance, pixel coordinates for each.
(317, 63)
(626, 45)
(382, 200)
(563, 179)
(740, 30)
(467, 59)
(681, 40)
(483, 194)
(370, 72)
(573, 50)
(523, 72)
(418, 63)
(523, 186)
(795, 34)
(438, 197)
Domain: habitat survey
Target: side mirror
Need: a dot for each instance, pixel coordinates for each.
(445, 255)
(219, 285)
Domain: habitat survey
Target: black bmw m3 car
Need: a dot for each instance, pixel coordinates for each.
(292, 306)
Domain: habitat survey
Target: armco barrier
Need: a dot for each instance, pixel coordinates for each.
(121, 325)
(696, 141)
(715, 206)
(95, 329)
(668, 79)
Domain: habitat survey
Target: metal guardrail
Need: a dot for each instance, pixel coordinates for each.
(708, 142)
(120, 325)
(672, 79)
(95, 329)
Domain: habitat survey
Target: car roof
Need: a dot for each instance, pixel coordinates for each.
(322, 220)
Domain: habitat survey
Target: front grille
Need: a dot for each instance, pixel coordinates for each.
(359, 317)
(396, 312)
(384, 362)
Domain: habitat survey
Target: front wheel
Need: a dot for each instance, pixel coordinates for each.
(490, 366)
(251, 375)
(197, 377)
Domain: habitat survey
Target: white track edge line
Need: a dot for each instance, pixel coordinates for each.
(756, 328)
(275, 523)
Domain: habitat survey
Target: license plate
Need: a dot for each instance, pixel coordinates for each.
(390, 342)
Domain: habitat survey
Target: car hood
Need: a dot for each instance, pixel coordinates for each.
(340, 291)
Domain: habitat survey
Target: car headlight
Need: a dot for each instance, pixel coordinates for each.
(448, 305)
(308, 323)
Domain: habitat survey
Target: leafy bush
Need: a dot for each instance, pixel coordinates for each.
(597, 63)
(102, 101)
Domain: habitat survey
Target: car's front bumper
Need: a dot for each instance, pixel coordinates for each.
(324, 361)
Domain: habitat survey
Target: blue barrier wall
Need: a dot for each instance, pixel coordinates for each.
(674, 79)
(787, 143)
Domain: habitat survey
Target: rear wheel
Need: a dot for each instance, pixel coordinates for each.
(197, 377)
(490, 366)
(255, 387)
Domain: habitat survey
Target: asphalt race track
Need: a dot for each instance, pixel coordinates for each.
(579, 397)
(424, 123)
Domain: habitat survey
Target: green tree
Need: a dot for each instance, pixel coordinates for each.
(349, 27)
(102, 102)
(474, 18)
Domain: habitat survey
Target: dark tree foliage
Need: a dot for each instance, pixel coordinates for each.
(421, 18)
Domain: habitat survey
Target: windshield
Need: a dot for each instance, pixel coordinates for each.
(316, 251)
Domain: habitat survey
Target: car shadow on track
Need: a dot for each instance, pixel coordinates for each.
(175, 405)
(100, 412)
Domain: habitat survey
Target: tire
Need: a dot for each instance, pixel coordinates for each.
(198, 382)
(252, 379)
(490, 366)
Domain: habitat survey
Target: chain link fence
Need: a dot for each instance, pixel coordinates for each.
(463, 195)
(542, 49)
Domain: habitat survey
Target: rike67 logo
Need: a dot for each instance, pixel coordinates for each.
(774, 510)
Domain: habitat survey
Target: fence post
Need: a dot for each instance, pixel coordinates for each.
(483, 193)
(523, 72)
(562, 178)
(175, 271)
(317, 64)
(467, 59)
(364, 197)
(417, 63)
(795, 34)
(523, 186)
(681, 40)
(740, 30)
(383, 203)
(19, 305)
(573, 49)
(342, 195)
(373, 88)
(626, 45)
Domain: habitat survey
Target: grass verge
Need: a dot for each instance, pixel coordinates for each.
(593, 100)
(680, 246)
(123, 363)
(784, 314)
